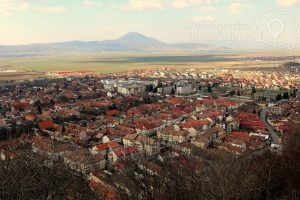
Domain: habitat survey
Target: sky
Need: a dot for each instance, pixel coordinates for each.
(172, 21)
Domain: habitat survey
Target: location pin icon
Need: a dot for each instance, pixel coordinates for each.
(275, 34)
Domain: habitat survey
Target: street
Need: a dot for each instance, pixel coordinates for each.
(274, 136)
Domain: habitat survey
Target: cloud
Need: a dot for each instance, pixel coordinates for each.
(180, 4)
(203, 18)
(7, 7)
(208, 8)
(136, 24)
(238, 7)
(288, 2)
(107, 16)
(104, 29)
(50, 9)
(92, 3)
(140, 5)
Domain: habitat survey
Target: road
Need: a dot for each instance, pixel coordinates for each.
(274, 136)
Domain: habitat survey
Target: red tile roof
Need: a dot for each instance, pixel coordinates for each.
(46, 125)
(112, 112)
(126, 151)
(176, 100)
(240, 135)
(113, 144)
(102, 147)
(143, 124)
(196, 123)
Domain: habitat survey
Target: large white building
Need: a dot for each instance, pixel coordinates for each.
(165, 90)
(184, 89)
(131, 89)
(275, 109)
(109, 81)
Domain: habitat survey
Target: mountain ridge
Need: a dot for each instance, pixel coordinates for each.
(131, 41)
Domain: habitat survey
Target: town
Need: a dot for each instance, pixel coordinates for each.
(101, 126)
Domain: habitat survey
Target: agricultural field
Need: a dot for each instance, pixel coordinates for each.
(107, 63)
(35, 66)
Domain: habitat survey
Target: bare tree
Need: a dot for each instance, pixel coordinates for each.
(32, 177)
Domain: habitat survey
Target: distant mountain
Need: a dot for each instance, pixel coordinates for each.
(136, 41)
(130, 42)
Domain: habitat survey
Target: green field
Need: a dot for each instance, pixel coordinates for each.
(109, 63)
(119, 62)
(60, 63)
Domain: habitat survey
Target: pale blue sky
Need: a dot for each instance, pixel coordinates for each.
(35, 21)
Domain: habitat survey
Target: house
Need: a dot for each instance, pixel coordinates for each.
(176, 100)
(83, 162)
(29, 116)
(6, 154)
(115, 134)
(235, 145)
(206, 139)
(227, 103)
(105, 148)
(111, 94)
(165, 90)
(129, 139)
(170, 135)
(168, 152)
(184, 89)
(275, 109)
(205, 104)
(203, 140)
(143, 143)
(43, 145)
(46, 146)
(186, 148)
(150, 167)
(131, 89)
(45, 125)
(123, 153)
(232, 145)
(259, 136)
(250, 121)
(148, 126)
(236, 142)
(112, 112)
(231, 123)
(243, 136)
(194, 127)
(109, 81)
(105, 190)
(209, 114)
